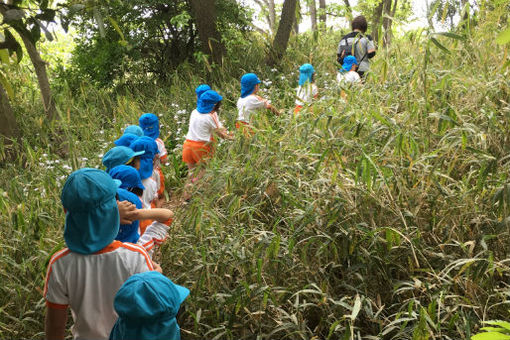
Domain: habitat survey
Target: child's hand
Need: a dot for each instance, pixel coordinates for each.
(127, 212)
(157, 267)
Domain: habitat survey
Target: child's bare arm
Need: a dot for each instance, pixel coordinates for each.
(158, 214)
(223, 133)
(273, 109)
(55, 324)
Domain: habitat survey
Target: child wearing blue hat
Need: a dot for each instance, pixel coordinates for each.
(126, 139)
(347, 74)
(134, 129)
(150, 197)
(149, 122)
(131, 189)
(86, 275)
(201, 89)
(307, 90)
(147, 305)
(122, 155)
(203, 123)
(249, 102)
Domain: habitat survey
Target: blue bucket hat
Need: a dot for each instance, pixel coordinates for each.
(248, 83)
(134, 129)
(129, 176)
(207, 101)
(147, 304)
(150, 147)
(306, 72)
(126, 139)
(201, 89)
(129, 232)
(92, 215)
(348, 62)
(149, 122)
(119, 155)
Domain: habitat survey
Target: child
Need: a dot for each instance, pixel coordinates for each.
(249, 102)
(347, 74)
(147, 305)
(121, 155)
(149, 122)
(86, 275)
(134, 129)
(150, 194)
(203, 123)
(126, 139)
(131, 189)
(201, 89)
(307, 89)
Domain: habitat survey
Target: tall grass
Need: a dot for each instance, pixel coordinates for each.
(382, 217)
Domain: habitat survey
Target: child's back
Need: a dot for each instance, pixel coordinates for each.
(86, 275)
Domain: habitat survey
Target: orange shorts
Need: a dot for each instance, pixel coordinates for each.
(194, 152)
(297, 109)
(245, 128)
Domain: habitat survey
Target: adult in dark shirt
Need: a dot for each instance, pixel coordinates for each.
(363, 45)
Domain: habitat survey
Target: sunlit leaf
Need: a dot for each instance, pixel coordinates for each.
(503, 37)
(7, 86)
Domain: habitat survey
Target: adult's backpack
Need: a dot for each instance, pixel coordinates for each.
(347, 48)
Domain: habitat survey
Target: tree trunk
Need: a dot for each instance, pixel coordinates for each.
(268, 5)
(297, 17)
(322, 14)
(313, 14)
(376, 20)
(9, 127)
(390, 7)
(272, 15)
(205, 19)
(281, 39)
(42, 76)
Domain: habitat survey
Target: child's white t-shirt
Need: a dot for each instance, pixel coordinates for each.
(350, 77)
(161, 148)
(156, 178)
(306, 93)
(249, 105)
(88, 284)
(202, 125)
(150, 193)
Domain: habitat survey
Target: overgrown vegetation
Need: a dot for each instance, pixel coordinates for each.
(383, 217)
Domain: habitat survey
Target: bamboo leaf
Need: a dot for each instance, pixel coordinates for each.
(490, 336)
(4, 56)
(503, 37)
(7, 86)
(117, 28)
(438, 44)
(356, 308)
(452, 35)
(500, 323)
(100, 23)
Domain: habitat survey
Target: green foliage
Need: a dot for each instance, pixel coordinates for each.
(501, 331)
(148, 37)
(385, 216)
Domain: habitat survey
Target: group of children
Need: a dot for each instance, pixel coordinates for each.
(106, 275)
(114, 219)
